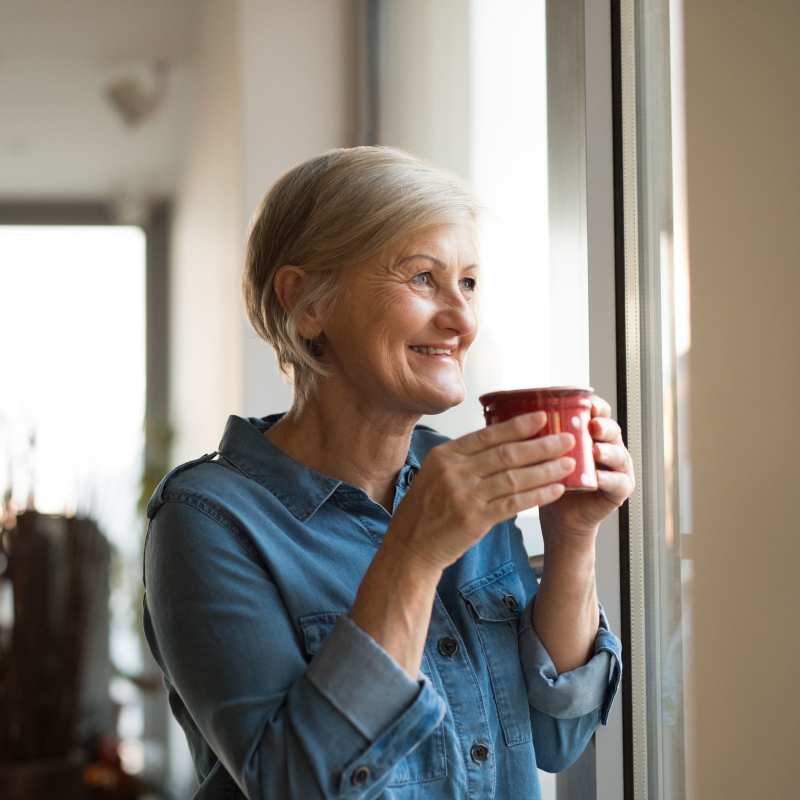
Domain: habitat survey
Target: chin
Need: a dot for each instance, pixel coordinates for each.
(441, 402)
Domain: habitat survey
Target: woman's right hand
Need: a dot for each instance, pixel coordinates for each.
(467, 485)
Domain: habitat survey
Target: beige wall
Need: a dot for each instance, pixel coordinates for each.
(743, 118)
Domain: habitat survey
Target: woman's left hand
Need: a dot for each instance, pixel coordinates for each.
(580, 513)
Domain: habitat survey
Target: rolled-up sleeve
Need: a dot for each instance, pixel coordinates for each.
(580, 691)
(566, 708)
(280, 726)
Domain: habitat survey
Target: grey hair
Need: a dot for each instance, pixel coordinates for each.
(338, 209)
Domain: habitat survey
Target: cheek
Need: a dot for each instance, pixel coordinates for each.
(400, 315)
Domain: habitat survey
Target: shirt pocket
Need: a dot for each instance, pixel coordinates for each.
(496, 601)
(427, 762)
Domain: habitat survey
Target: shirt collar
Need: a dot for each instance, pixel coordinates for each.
(299, 487)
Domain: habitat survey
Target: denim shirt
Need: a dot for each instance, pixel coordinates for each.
(251, 564)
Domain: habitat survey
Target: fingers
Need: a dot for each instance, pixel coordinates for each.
(511, 455)
(605, 429)
(520, 427)
(526, 479)
(616, 486)
(505, 507)
(600, 406)
(611, 455)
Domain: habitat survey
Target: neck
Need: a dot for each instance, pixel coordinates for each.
(347, 438)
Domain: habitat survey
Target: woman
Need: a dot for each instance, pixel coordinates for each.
(327, 628)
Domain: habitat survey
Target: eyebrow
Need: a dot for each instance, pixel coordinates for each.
(435, 260)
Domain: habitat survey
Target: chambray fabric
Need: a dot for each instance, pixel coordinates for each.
(251, 565)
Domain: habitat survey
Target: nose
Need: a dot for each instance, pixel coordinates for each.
(456, 314)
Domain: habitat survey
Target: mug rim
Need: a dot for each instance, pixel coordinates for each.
(582, 390)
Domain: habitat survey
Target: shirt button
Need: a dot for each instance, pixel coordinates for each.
(510, 602)
(360, 776)
(479, 752)
(448, 647)
(410, 477)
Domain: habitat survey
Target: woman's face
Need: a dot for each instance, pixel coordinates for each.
(425, 294)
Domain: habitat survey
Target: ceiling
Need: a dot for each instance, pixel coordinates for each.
(60, 137)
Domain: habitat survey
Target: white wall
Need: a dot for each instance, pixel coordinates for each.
(205, 366)
(298, 62)
(426, 107)
(206, 348)
(425, 88)
(276, 85)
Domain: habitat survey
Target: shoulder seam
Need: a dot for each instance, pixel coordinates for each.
(213, 511)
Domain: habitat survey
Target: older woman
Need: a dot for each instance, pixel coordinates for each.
(339, 599)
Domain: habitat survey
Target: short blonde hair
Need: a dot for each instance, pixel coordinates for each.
(340, 208)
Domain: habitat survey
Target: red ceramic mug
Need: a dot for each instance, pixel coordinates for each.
(569, 408)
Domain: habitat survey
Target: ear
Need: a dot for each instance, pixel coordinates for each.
(288, 283)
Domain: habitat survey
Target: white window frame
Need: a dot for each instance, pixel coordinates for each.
(623, 229)
(581, 192)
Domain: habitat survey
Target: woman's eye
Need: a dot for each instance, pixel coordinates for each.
(421, 275)
(471, 283)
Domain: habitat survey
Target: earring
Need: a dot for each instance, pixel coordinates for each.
(315, 345)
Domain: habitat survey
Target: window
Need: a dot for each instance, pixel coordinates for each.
(72, 418)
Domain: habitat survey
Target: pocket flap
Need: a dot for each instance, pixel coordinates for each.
(316, 628)
(498, 596)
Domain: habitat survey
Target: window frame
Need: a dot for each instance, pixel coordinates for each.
(609, 104)
(584, 191)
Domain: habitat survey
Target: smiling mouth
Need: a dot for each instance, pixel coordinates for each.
(430, 353)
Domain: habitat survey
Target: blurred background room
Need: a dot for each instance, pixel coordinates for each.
(638, 159)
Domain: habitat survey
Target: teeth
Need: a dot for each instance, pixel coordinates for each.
(430, 350)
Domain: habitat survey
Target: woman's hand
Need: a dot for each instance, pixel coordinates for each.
(580, 513)
(468, 485)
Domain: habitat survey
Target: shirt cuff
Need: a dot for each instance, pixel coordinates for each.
(579, 691)
(361, 680)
